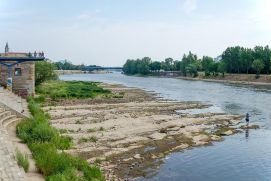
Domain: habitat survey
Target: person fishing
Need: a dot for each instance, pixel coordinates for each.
(247, 118)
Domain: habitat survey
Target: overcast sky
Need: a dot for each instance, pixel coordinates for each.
(107, 32)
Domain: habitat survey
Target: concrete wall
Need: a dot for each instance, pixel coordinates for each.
(24, 84)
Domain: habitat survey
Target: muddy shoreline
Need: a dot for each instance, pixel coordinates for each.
(129, 134)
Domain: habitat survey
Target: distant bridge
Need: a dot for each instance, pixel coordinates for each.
(92, 68)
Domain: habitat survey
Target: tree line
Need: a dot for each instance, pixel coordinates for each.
(67, 65)
(233, 60)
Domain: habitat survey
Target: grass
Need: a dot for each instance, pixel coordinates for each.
(101, 129)
(88, 139)
(22, 160)
(78, 122)
(91, 130)
(47, 146)
(62, 131)
(56, 90)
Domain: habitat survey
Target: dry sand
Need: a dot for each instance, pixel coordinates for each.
(127, 136)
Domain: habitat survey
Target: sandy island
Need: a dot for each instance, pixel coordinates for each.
(129, 135)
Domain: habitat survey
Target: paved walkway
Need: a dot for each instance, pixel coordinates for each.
(9, 170)
(14, 102)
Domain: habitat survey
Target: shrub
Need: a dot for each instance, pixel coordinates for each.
(44, 70)
(62, 142)
(43, 132)
(67, 175)
(24, 129)
(45, 142)
(22, 160)
(70, 89)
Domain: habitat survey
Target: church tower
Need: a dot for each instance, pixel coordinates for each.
(6, 48)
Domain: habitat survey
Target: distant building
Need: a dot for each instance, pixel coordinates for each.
(17, 71)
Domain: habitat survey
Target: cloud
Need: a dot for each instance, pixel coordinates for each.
(84, 16)
(189, 6)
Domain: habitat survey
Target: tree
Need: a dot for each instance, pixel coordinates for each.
(167, 65)
(177, 65)
(44, 70)
(247, 59)
(129, 67)
(143, 65)
(206, 64)
(214, 68)
(139, 66)
(222, 68)
(155, 66)
(192, 69)
(258, 65)
(186, 61)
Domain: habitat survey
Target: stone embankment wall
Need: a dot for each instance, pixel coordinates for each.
(23, 81)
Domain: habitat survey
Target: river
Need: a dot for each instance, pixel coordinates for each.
(242, 157)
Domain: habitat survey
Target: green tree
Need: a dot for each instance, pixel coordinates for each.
(142, 66)
(258, 66)
(222, 68)
(155, 66)
(167, 65)
(206, 64)
(176, 65)
(214, 68)
(186, 61)
(44, 70)
(192, 69)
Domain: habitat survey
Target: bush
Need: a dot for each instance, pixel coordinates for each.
(24, 129)
(70, 89)
(44, 71)
(62, 142)
(44, 142)
(67, 175)
(43, 132)
(22, 160)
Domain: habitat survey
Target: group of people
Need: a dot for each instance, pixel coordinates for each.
(36, 54)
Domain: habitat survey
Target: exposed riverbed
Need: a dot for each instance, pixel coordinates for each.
(245, 156)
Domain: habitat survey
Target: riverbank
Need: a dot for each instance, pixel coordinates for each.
(67, 72)
(244, 79)
(128, 134)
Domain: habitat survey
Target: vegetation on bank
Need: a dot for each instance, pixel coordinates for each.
(55, 90)
(67, 65)
(44, 70)
(46, 143)
(47, 146)
(22, 160)
(233, 60)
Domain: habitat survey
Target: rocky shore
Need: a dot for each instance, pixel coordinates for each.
(129, 134)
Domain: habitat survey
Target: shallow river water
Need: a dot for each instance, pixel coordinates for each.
(242, 157)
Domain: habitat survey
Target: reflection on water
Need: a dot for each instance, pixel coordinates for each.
(245, 156)
(247, 133)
